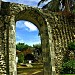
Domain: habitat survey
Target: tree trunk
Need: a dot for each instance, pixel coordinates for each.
(67, 6)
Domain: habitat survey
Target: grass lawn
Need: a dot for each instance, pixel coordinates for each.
(23, 70)
(27, 71)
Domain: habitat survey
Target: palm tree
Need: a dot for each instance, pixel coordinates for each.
(52, 5)
(58, 4)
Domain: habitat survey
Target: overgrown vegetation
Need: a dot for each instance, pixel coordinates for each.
(21, 46)
(68, 66)
(21, 58)
(71, 46)
(26, 52)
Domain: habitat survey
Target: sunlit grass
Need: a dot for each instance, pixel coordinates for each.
(22, 69)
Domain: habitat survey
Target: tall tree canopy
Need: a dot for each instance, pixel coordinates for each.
(57, 5)
(21, 46)
(38, 48)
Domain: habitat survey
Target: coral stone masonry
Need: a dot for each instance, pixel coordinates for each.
(56, 32)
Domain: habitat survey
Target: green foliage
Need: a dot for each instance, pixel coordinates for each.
(71, 46)
(68, 67)
(21, 46)
(66, 57)
(37, 46)
(73, 11)
(70, 63)
(25, 61)
(21, 58)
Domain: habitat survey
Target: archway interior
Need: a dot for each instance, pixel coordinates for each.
(27, 32)
(28, 46)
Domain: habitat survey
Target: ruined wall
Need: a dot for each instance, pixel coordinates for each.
(63, 31)
(2, 48)
(55, 31)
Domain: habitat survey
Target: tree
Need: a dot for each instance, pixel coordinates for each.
(51, 5)
(21, 58)
(71, 46)
(38, 48)
(37, 45)
(38, 52)
(55, 5)
(21, 46)
(68, 67)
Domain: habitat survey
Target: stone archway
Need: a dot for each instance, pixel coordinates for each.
(36, 16)
(55, 31)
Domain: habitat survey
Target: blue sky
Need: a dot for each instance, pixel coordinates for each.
(27, 2)
(26, 32)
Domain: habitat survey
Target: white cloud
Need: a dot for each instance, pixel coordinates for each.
(4, 0)
(30, 26)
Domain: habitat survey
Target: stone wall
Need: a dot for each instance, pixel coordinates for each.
(2, 49)
(63, 31)
(55, 31)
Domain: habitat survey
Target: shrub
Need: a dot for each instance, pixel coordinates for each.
(21, 58)
(68, 67)
(71, 46)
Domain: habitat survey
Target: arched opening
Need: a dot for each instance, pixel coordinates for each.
(36, 17)
(28, 48)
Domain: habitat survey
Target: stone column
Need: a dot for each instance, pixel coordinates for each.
(45, 51)
(12, 47)
(51, 49)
